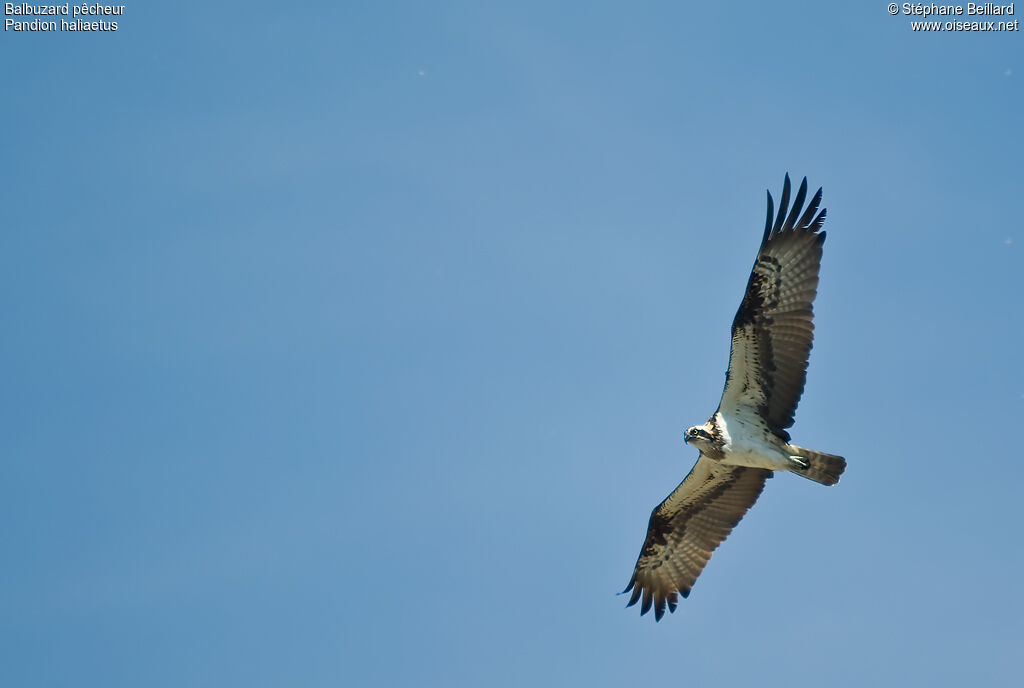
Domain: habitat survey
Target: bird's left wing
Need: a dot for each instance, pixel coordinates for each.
(687, 527)
(774, 326)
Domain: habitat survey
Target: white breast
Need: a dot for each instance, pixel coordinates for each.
(748, 443)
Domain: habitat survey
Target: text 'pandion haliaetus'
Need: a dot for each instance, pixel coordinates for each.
(746, 438)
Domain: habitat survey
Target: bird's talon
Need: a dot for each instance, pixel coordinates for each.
(801, 463)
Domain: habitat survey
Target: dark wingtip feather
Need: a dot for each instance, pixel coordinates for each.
(646, 605)
(819, 221)
(795, 216)
(636, 596)
(798, 204)
(783, 204)
(812, 208)
(632, 582)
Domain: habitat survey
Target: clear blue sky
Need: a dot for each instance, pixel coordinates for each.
(353, 345)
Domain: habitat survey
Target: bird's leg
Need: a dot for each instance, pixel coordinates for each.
(799, 462)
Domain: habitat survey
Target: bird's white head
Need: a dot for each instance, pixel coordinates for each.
(699, 436)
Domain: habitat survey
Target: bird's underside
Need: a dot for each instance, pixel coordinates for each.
(746, 438)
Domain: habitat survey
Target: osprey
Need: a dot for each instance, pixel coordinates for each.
(746, 439)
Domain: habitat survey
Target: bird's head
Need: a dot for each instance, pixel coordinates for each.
(699, 436)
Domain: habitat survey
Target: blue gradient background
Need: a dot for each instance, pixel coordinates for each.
(353, 345)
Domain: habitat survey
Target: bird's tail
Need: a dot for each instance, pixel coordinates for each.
(823, 468)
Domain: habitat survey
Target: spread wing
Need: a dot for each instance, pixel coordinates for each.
(687, 527)
(773, 329)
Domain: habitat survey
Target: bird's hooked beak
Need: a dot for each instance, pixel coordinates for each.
(686, 437)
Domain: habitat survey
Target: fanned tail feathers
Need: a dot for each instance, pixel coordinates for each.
(824, 468)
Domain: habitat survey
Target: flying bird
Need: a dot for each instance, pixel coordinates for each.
(745, 440)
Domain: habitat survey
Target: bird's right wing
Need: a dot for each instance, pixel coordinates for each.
(687, 527)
